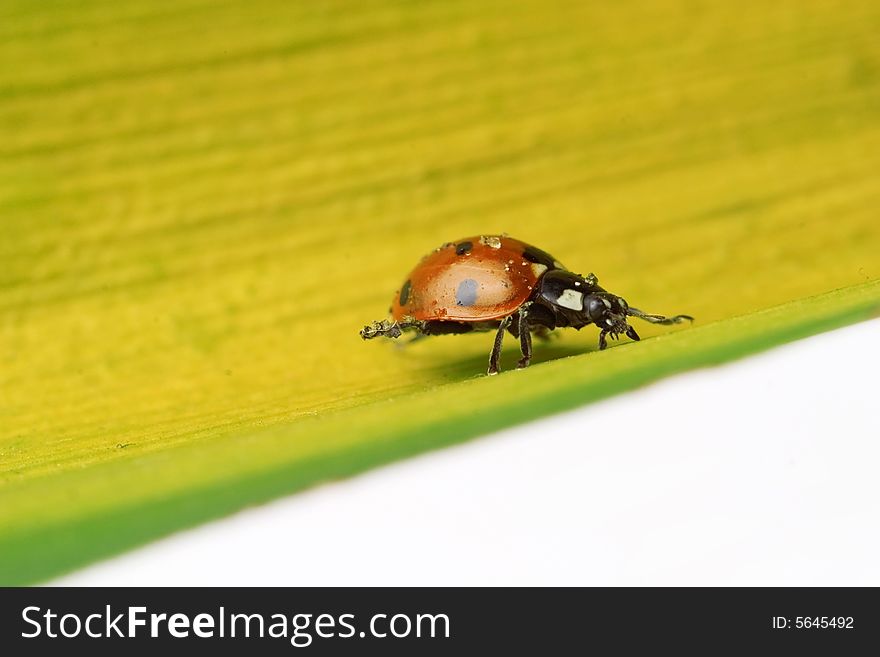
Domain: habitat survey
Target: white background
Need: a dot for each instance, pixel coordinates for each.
(761, 472)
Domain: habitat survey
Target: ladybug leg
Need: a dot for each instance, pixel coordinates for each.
(390, 329)
(602, 341)
(496, 348)
(525, 337)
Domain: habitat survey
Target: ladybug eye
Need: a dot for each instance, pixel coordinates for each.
(595, 307)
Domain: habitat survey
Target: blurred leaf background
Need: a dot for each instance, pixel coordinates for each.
(202, 202)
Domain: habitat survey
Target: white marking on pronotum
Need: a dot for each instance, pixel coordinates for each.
(571, 299)
(606, 302)
(538, 269)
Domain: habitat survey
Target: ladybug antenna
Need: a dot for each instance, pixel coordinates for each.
(657, 319)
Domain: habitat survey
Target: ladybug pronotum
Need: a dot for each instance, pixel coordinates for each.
(495, 282)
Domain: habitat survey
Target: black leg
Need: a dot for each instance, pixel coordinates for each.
(602, 341)
(525, 337)
(496, 348)
(390, 329)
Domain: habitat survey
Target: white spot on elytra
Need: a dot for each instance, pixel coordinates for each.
(466, 294)
(571, 299)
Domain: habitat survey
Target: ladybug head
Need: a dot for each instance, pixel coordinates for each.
(609, 312)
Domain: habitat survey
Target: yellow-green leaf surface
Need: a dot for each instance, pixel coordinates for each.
(202, 202)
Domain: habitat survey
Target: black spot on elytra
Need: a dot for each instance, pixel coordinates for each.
(464, 248)
(533, 254)
(404, 293)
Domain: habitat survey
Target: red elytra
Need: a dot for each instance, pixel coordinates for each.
(474, 279)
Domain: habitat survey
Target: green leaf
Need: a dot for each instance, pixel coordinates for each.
(201, 205)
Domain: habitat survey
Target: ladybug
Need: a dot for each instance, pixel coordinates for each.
(496, 282)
